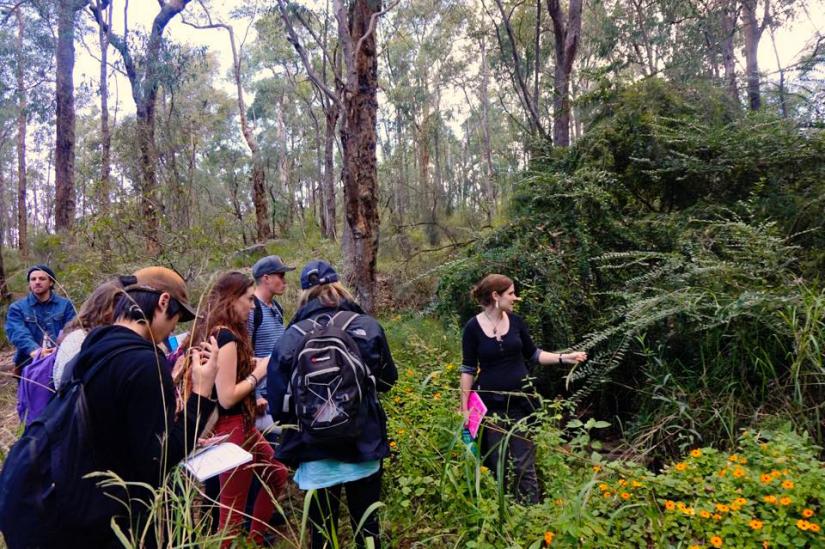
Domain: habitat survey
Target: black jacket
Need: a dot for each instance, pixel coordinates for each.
(131, 402)
(372, 444)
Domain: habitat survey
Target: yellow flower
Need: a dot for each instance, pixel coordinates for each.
(681, 466)
(625, 496)
(755, 524)
(803, 524)
(740, 501)
(597, 468)
(696, 453)
(483, 470)
(401, 431)
(681, 506)
(785, 500)
(716, 541)
(738, 472)
(787, 484)
(689, 511)
(437, 396)
(397, 400)
(558, 502)
(635, 484)
(722, 508)
(769, 499)
(807, 513)
(717, 516)
(393, 444)
(735, 506)
(604, 487)
(704, 514)
(733, 458)
(695, 547)
(622, 482)
(776, 473)
(765, 478)
(813, 527)
(669, 505)
(548, 537)
(606, 494)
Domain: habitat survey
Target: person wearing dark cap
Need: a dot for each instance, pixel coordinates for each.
(354, 462)
(266, 321)
(135, 430)
(33, 323)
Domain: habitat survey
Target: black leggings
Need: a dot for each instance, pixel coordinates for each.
(519, 455)
(326, 506)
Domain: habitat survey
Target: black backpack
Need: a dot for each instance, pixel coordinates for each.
(330, 385)
(42, 490)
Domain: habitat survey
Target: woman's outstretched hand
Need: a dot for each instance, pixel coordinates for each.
(204, 367)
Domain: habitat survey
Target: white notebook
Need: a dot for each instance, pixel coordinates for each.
(216, 459)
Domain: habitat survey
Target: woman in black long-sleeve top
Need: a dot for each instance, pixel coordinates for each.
(496, 346)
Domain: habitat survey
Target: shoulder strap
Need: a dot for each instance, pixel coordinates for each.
(347, 316)
(257, 319)
(102, 361)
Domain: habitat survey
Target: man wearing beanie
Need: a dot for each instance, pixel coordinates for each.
(34, 322)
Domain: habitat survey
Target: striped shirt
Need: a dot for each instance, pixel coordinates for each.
(268, 334)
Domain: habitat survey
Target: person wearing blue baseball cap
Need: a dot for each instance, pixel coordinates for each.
(350, 459)
(34, 322)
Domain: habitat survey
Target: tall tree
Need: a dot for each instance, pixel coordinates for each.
(566, 31)
(258, 175)
(22, 220)
(752, 30)
(144, 79)
(65, 122)
(104, 185)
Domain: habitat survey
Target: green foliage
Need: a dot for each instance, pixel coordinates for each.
(676, 242)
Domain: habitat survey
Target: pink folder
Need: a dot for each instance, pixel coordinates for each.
(477, 410)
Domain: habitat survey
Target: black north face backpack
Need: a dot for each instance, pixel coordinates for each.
(330, 385)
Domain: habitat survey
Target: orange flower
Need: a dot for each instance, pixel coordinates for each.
(393, 444)
(765, 544)
(787, 484)
(723, 472)
(739, 472)
(755, 524)
(785, 500)
(803, 524)
(681, 466)
(548, 537)
(807, 513)
(813, 527)
(669, 505)
(740, 501)
(717, 516)
(696, 453)
(776, 473)
(765, 478)
(733, 458)
(606, 494)
(681, 506)
(735, 506)
(622, 482)
(769, 499)
(722, 508)
(603, 487)
(695, 547)
(716, 541)
(625, 496)
(704, 514)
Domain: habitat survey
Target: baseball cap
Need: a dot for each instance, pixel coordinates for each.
(268, 265)
(159, 280)
(317, 272)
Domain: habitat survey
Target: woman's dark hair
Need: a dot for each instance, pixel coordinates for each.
(483, 291)
(140, 305)
(218, 313)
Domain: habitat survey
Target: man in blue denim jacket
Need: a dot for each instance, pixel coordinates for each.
(34, 322)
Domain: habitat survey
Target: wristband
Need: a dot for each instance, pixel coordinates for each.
(560, 361)
(253, 376)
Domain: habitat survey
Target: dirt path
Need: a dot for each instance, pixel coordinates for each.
(9, 423)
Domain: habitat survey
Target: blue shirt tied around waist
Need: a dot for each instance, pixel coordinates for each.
(323, 473)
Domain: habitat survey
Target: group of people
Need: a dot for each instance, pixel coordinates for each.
(300, 396)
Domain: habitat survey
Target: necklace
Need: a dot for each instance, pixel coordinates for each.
(495, 324)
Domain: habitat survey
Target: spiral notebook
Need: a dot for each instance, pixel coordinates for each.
(215, 459)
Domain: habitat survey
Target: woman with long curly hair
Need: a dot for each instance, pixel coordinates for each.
(227, 308)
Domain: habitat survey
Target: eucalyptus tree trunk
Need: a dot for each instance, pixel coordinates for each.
(752, 32)
(5, 295)
(64, 207)
(489, 172)
(566, 31)
(104, 185)
(22, 222)
(331, 115)
(358, 139)
(729, 16)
